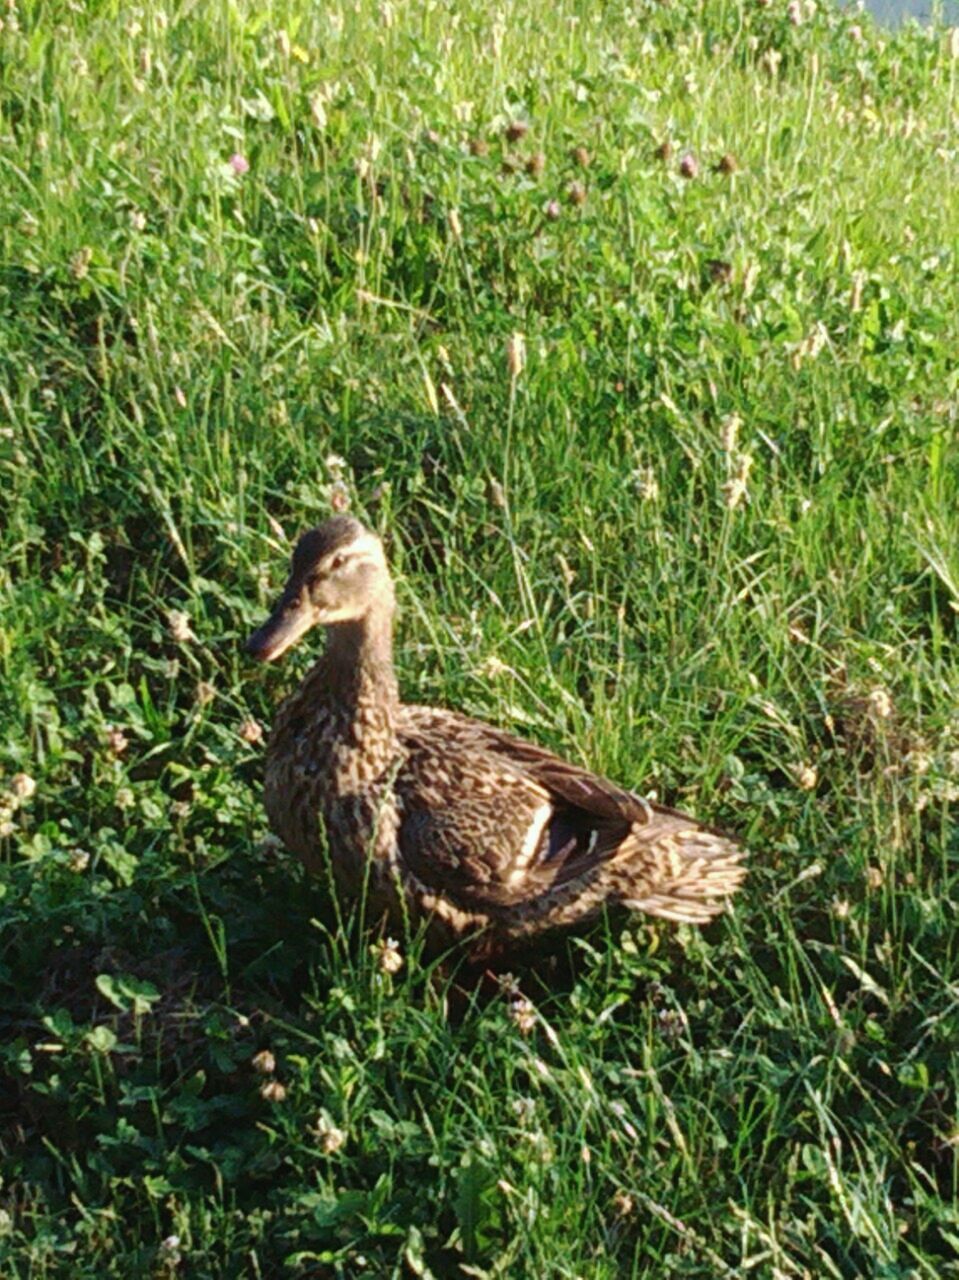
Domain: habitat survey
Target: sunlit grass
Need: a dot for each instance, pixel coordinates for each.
(260, 259)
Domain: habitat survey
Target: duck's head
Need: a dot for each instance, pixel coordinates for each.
(338, 575)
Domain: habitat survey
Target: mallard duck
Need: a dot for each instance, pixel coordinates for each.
(442, 818)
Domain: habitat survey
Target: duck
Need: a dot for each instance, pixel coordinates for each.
(437, 820)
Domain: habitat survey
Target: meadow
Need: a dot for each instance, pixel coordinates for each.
(698, 529)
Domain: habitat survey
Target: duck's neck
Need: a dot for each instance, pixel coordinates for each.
(351, 703)
(359, 660)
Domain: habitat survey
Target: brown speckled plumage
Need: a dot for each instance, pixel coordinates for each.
(444, 817)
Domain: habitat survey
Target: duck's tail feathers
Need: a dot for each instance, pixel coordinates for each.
(683, 872)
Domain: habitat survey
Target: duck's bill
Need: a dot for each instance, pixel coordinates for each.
(285, 625)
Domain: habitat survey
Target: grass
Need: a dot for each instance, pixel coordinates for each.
(198, 358)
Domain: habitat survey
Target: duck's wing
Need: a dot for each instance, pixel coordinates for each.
(492, 821)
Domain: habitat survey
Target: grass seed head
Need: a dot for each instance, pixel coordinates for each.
(205, 693)
(273, 1091)
(580, 156)
(536, 164)
(515, 354)
(80, 263)
(576, 193)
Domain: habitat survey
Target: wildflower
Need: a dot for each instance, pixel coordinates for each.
(170, 1250)
(124, 798)
(179, 625)
(117, 740)
(576, 193)
(263, 1063)
(523, 1013)
(880, 704)
(22, 786)
(855, 33)
(250, 730)
(727, 164)
(339, 496)
(553, 210)
(492, 667)
(806, 776)
(536, 164)
(671, 1023)
(330, 1138)
(239, 164)
(874, 877)
(80, 263)
(688, 166)
(273, 1091)
(664, 151)
(478, 147)
(623, 1204)
(794, 12)
(647, 486)
(389, 956)
(523, 1108)
(580, 156)
(515, 130)
(138, 220)
(78, 860)
(840, 908)
(771, 60)
(515, 354)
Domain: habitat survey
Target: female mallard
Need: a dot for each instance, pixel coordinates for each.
(440, 817)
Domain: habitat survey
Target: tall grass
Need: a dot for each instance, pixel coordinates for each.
(261, 259)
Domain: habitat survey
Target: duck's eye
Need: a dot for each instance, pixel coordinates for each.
(337, 562)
